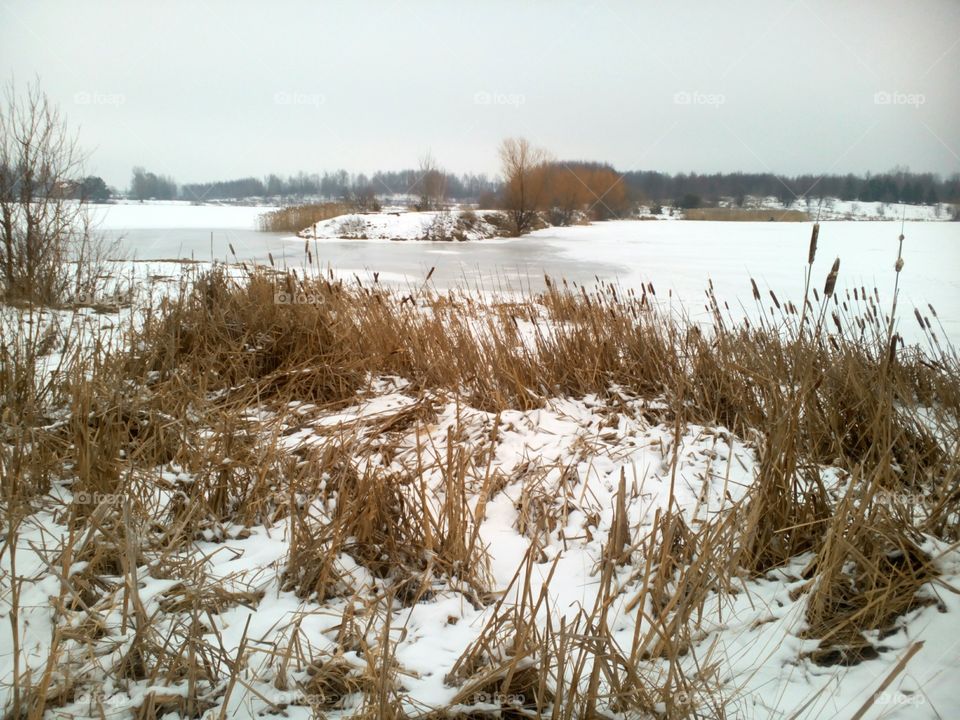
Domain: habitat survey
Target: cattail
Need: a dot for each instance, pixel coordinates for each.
(813, 243)
(832, 278)
(270, 257)
(816, 295)
(893, 349)
(430, 274)
(756, 292)
(836, 321)
(919, 317)
(232, 251)
(932, 311)
(899, 266)
(775, 301)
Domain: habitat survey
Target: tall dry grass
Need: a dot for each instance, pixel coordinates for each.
(826, 384)
(294, 218)
(731, 214)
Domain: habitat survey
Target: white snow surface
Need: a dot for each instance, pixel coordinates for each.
(175, 214)
(679, 258)
(579, 448)
(398, 226)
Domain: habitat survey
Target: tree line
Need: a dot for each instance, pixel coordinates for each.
(898, 185)
(335, 185)
(599, 186)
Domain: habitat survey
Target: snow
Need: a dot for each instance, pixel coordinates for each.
(830, 208)
(755, 634)
(572, 450)
(675, 256)
(681, 257)
(170, 215)
(400, 226)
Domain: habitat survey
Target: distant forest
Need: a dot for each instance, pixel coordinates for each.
(645, 186)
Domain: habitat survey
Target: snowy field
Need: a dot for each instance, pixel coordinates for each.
(677, 257)
(557, 472)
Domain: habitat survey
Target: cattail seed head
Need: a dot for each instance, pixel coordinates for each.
(832, 278)
(919, 317)
(756, 292)
(813, 243)
(899, 266)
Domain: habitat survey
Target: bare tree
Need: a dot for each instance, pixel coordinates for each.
(47, 248)
(524, 177)
(432, 182)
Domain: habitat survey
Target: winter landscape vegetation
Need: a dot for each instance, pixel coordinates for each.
(552, 437)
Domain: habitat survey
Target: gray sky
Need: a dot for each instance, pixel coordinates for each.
(212, 90)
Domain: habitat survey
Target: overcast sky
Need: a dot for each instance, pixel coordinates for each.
(212, 90)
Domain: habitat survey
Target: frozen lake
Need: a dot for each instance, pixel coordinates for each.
(679, 257)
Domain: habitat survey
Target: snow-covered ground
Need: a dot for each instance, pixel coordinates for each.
(431, 225)
(176, 215)
(830, 208)
(679, 257)
(834, 209)
(568, 457)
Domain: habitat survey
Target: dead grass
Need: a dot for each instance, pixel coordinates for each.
(159, 451)
(295, 218)
(745, 215)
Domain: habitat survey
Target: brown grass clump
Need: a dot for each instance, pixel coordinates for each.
(745, 215)
(295, 218)
(387, 524)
